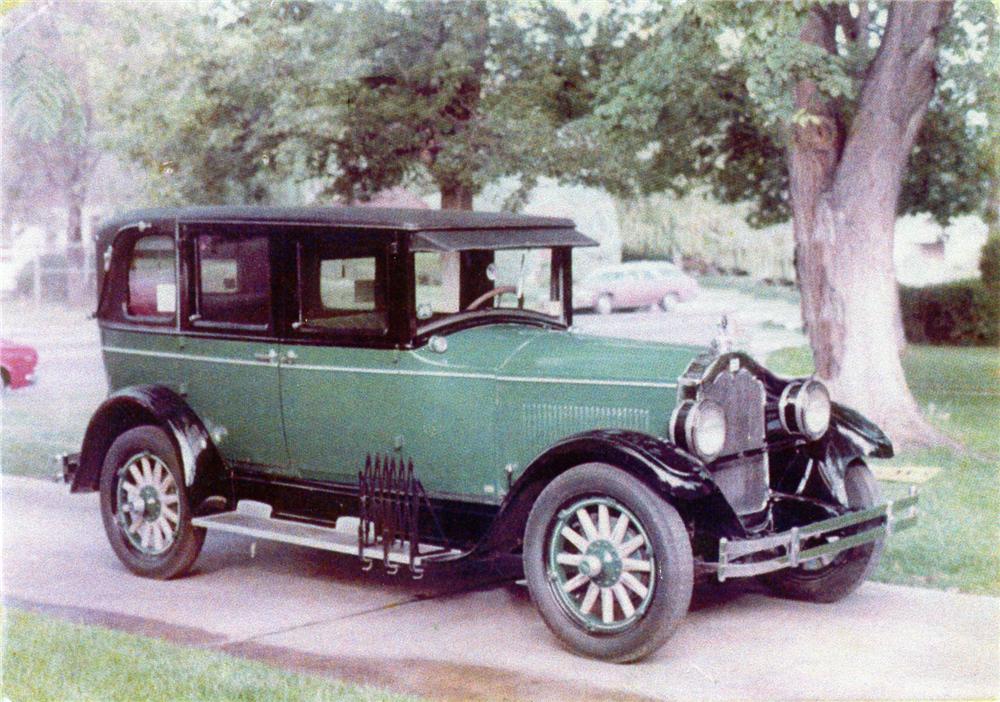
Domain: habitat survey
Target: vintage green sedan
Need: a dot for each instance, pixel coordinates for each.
(406, 386)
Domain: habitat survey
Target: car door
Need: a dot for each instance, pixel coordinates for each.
(228, 353)
(341, 393)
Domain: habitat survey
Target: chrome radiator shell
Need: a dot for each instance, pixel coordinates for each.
(743, 479)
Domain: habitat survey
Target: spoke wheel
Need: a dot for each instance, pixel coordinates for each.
(608, 563)
(601, 564)
(144, 505)
(148, 503)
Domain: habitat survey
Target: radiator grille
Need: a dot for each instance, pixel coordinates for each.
(743, 481)
(743, 397)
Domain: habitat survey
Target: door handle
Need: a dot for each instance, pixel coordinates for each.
(290, 357)
(271, 356)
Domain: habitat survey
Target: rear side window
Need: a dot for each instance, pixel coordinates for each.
(234, 280)
(341, 289)
(152, 281)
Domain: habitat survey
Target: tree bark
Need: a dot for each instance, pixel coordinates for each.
(74, 217)
(845, 184)
(456, 196)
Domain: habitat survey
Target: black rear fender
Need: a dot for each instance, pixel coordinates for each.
(205, 474)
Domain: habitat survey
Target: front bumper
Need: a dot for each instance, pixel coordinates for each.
(741, 559)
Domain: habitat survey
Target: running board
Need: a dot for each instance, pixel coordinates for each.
(337, 540)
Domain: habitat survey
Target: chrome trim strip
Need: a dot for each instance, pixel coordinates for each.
(587, 381)
(186, 356)
(386, 371)
(898, 514)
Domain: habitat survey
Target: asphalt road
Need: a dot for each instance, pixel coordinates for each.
(466, 636)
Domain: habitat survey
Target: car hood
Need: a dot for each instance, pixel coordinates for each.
(572, 356)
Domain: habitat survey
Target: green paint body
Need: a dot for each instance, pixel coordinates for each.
(497, 397)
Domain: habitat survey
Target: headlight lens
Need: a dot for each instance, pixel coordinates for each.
(700, 428)
(708, 433)
(805, 408)
(816, 409)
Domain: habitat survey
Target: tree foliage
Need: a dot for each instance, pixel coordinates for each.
(49, 126)
(350, 98)
(708, 100)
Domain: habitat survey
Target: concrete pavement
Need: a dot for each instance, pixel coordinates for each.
(463, 636)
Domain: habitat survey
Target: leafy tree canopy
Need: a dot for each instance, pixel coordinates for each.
(709, 97)
(356, 97)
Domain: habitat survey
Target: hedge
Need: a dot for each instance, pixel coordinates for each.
(963, 313)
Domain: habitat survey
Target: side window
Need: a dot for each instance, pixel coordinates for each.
(152, 280)
(341, 289)
(234, 280)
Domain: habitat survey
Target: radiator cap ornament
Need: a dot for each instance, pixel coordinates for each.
(723, 341)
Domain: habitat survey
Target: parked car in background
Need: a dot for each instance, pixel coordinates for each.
(17, 364)
(634, 284)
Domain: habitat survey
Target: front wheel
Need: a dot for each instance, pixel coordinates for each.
(144, 505)
(608, 563)
(829, 580)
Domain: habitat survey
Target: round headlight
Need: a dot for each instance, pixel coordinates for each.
(804, 408)
(700, 428)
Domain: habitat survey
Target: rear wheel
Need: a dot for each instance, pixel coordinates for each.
(144, 505)
(669, 301)
(608, 563)
(830, 580)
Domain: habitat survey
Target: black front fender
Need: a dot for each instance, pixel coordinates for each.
(852, 432)
(820, 467)
(205, 474)
(679, 477)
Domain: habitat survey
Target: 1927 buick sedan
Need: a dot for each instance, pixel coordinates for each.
(405, 386)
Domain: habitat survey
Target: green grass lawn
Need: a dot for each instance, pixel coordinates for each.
(46, 659)
(956, 543)
(752, 287)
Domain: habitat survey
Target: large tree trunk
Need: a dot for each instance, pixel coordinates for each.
(74, 216)
(455, 196)
(845, 184)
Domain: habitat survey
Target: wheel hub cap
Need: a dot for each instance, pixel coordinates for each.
(609, 563)
(149, 503)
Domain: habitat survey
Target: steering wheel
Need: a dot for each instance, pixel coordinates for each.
(495, 292)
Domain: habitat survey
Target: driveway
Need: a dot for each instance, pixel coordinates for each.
(465, 635)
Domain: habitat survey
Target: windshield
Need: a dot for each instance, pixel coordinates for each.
(515, 281)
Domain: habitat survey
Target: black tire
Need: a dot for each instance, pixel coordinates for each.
(842, 576)
(668, 579)
(669, 301)
(179, 552)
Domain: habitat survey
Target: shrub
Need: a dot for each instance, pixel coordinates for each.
(989, 263)
(964, 313)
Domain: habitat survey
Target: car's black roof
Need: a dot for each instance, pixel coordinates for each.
(435, 230)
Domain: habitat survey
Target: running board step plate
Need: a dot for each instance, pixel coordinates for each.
(313, 536)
